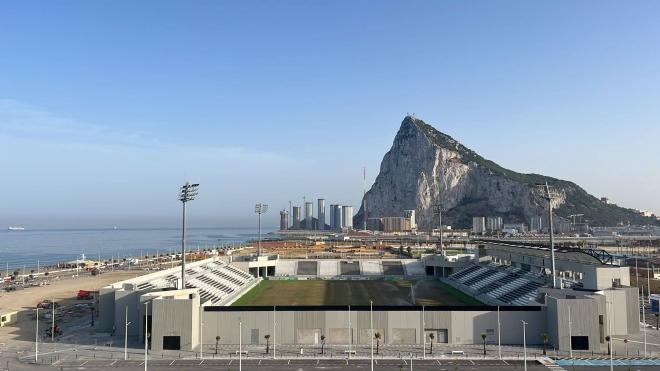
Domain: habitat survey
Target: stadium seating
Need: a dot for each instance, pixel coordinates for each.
(499, 284)
(215, 280)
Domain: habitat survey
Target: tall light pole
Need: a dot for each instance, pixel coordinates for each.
(36, 340)
(126, 323)
(146, 333)
(525, 342)
(187, 193)
(371, 321)
(52, 325)
(609, 325)
(260, 209)
(423, 332)
(499, 328)
(240, 345)
(549, 196)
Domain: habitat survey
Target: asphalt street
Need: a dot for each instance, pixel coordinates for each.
(310, 364)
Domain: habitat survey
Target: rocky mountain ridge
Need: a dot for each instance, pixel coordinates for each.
(425, 167)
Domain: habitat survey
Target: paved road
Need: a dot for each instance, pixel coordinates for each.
(310, 365)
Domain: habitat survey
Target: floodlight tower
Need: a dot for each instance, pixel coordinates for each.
(260, 209)
(187, 193)
(549, 196)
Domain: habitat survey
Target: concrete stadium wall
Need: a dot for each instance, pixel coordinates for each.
(306, 326)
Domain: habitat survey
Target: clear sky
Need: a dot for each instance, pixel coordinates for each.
(106, 107)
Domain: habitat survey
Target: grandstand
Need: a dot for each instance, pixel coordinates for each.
(342, 268)
(216, 281)
(497, 285)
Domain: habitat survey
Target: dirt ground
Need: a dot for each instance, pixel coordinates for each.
(63, 291)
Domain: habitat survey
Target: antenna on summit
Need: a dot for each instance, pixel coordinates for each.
(364, 196)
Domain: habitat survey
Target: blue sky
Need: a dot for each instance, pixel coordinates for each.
(106, 107)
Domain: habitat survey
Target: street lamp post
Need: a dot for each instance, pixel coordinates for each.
(126, 323)
(187, 193)
(609, 323)
(423, 333)
(371, 321)
(499, 338)
(240, 345)
(146, 334)
(52, 326)
(36, 340)
(525, 342)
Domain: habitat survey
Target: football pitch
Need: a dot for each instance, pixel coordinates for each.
(353, 292)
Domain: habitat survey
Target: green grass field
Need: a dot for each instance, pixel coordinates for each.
(325, 292)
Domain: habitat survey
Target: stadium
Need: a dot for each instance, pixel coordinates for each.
(343, 302)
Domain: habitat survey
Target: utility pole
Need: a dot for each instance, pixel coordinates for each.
(187, 193)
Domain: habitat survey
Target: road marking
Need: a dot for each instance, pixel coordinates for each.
(505, 362)
(172, 362)
(471, 361)
(84, 363)
(200, 363)
(113, 362)
(439, 364)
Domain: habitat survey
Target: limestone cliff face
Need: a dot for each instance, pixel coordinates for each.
(426, 167)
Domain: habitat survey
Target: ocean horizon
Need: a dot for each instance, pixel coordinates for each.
(44, 246)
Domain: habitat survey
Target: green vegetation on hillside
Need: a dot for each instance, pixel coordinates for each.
(578, 201)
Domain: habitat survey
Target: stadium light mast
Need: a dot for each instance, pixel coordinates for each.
(549, 196)
(260, 209)
(187, 193)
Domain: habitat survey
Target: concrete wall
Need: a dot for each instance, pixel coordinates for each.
(182, 320)
(601, 277)
(397, 326)
(106, 318)
(583, 322)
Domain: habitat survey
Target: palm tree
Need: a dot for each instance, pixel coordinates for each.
(217, 340)
(609, 350)
(322, 344)
(483, 337)
(431, 336)
(267, 337)
(377, 337)
(544, 339)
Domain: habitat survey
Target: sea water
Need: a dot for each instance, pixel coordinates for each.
(51, 246)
